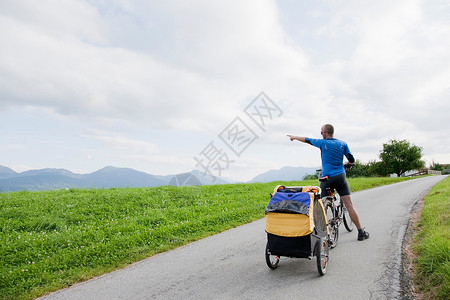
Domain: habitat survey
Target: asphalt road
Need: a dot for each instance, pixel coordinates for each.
(231, 265)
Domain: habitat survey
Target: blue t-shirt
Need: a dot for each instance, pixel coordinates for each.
(332, 153)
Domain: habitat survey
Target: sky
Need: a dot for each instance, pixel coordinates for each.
(165, 87)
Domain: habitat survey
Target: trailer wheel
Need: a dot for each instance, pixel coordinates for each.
(322, 256)
(272, 260)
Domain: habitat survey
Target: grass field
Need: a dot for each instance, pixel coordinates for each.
(432, 244)
(50, 240)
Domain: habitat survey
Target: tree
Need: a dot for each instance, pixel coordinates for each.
(359, 170)
(371, 169)
(377, 168)
(310, 177)
(436, 166)
(400, 156)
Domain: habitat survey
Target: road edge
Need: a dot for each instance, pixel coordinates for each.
(408, 290)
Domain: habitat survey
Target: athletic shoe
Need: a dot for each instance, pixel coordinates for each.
(362, 235)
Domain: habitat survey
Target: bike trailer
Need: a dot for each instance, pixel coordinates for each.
(296, 226)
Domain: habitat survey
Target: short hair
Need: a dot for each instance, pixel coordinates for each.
(329, 128)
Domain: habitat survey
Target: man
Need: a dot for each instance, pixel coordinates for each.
(332, 154)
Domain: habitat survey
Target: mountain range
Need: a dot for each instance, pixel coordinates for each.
(112, 177)
(284, 174)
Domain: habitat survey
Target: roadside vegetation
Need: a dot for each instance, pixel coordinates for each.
(432, 244)
(50, 240)
(397, 156)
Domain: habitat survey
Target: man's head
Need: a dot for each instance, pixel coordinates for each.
(327, 131)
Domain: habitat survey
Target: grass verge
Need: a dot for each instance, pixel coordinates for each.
(432, 244)
(50, 240)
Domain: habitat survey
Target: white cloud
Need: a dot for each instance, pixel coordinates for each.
(130, 70)
(63, 19)
(123, 144)
(220, 54)
(396, 81)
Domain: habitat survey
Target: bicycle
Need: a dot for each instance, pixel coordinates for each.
(336, 214)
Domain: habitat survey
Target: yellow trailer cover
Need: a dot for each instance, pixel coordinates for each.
(289, 225)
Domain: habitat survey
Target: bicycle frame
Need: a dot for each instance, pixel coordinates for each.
(336, 217)
(337, 208)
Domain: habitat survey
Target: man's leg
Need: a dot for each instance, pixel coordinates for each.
(362, 234)
(351, 210)
(341, 186)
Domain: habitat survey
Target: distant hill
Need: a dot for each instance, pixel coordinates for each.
(284, 174)
(108, 177)
(47, 172)
(42, 182)
(192, 177)
(112, 177)
(6, 172)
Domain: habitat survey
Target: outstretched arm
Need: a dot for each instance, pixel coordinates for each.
(298, 138)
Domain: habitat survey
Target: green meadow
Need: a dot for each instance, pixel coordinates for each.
(51, 240)
(432, 244)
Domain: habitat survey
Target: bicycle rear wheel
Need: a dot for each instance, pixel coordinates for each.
(333, 225)
(348, 223)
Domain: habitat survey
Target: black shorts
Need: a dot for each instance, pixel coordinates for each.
(338, 182)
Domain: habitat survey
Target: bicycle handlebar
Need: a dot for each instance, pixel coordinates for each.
(348, 166)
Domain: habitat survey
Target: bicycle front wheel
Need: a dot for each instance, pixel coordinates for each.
(348, 223)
